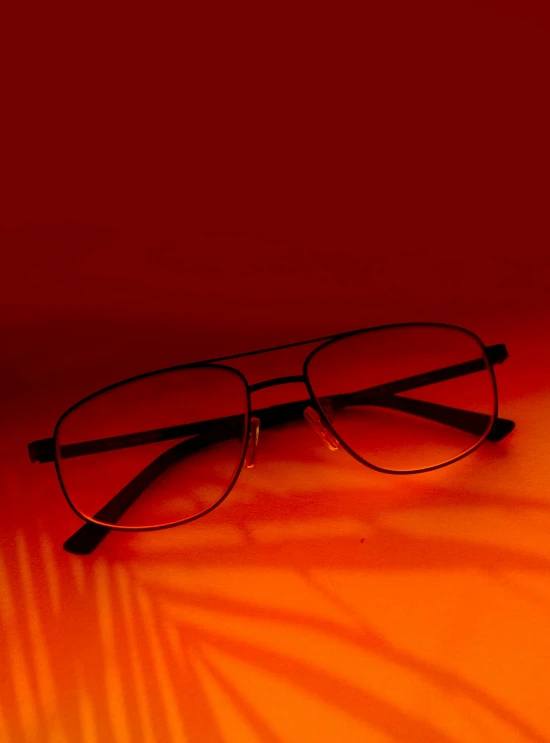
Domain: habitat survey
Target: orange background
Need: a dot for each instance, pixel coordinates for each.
(183, 184)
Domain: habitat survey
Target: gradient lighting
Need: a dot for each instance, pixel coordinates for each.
(184, 181)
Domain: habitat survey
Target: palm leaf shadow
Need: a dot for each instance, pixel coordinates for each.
(79, 653)
(388, 549)
(320, 682)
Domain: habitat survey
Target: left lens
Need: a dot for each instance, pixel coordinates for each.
(155, 450)
(406, 398)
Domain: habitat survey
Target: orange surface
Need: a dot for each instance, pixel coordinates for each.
(320, 600)
(177, 187)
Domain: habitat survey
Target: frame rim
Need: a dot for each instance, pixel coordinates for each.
(156, 527)
(347, 448)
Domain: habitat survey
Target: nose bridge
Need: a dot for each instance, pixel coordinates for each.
(278, 380)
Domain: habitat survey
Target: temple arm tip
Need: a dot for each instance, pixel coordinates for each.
(496, 354)
(501, 428)
(86, 539)
(42, 451)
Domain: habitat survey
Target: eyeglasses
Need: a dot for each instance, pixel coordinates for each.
(165, 448)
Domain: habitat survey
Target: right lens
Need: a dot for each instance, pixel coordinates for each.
(406, 398)
(156, 450)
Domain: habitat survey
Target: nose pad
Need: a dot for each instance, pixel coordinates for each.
(314, 420)
(252, 443)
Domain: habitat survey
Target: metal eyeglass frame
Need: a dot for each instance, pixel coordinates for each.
(206, 433)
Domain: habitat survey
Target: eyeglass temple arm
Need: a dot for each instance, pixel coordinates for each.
(465, 420)
(495, 355)
(90, 535)
(43, 451)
